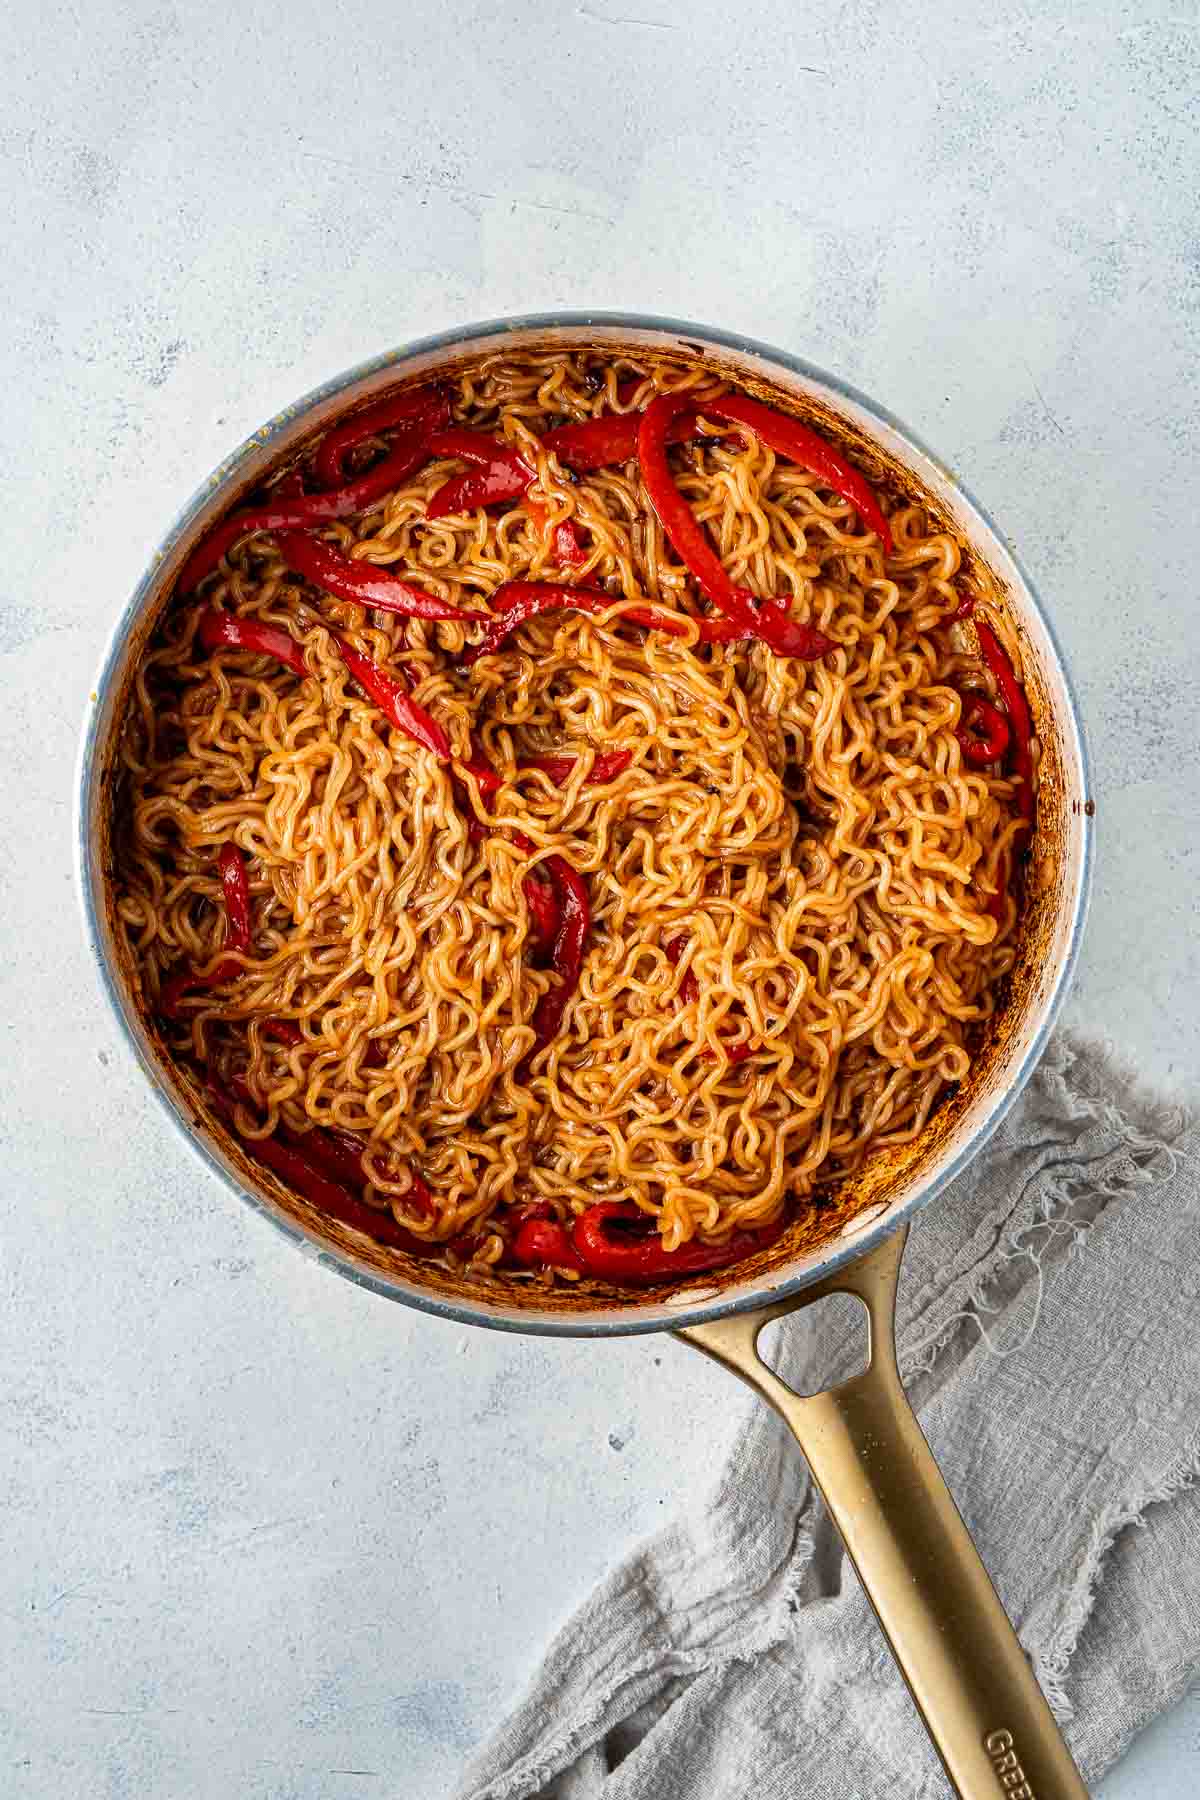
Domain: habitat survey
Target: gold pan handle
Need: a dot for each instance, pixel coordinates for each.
(968, 1674)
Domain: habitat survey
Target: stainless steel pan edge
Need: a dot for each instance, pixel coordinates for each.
(260, 452)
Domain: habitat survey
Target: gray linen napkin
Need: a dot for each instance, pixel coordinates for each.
(1049, 1333)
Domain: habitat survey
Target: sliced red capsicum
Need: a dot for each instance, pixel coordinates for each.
(282, 1031)
(297, 513)
(611, 438)
(1020, 722)
(566, 955)
(235, 890)
(1020, 746)
(567, 547)
(517, 602)
(542, 903)
(639, 1261)
(541, 896)
(478, 765)
(362, 583)
(340, 1153)
(392, 699)
(766, 620)
(501, 472)
(590, 444)
(337, 1154)
(607, 766)
(417, 411)
(225, 631)
(299, 1168)
(800, 445)
(544, 1243)
(982, 731)
(235, 895)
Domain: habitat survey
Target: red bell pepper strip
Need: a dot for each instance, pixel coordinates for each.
(505, 475)
(768, 621)
(483, 448)
(800, 445)
(542, 904)
(284, 1031)
(478, 765)
(982, 731)
(235, 893)
(173, 989)
(631, 1261)
(566, 956)
(689, 993)
(541, 897)
(391, 697)
(606, 767)
(502, 471)
(341, 1161)
(226, 631)
(689, 987)
(362, 583)
(235, 887)
(519, 594)
(485, 775)
(423, 409)
(567, 547)
(517, 1215)
(299, 512)
(597, 443)
(517, 602)
(301, 1172)
(612, 438)
(465, 1244)
(544, 1243)
(341, 1153)
(1019, 720)
(1019, 729)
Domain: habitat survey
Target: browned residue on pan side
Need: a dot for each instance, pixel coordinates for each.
(820, 1224)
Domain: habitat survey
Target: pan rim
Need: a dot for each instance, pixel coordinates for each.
(484, 1312)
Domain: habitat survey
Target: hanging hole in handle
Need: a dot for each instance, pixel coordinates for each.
(820, 1347)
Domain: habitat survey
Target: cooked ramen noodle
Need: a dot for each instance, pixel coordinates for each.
(569, 820)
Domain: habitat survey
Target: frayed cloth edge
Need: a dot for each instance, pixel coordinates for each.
(583, 1731)
(1145, 1126)
(1052, 1660)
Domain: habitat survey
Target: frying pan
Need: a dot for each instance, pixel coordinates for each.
(964, 1666)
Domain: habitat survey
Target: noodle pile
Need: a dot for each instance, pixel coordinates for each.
(809, 830)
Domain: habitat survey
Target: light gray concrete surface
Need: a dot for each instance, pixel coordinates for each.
(263, 1535)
